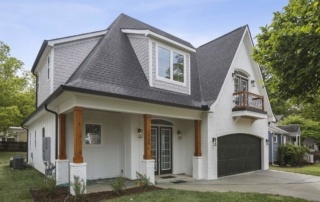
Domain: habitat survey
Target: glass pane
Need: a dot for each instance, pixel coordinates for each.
(244, 85)
(236, 84)
(178, 67)
(163, 63)
(93, 134)
(165, 149)
(154, 147)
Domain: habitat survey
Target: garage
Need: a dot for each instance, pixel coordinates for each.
(238, 153)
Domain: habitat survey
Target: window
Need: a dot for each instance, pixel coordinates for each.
(35, 139)
(93, 134)
(43, 132)
(171, 65)
(48, 65)
(240, 82)
(275, 139)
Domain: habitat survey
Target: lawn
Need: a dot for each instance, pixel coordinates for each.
(309, 170)
(186, 196)
(15, 184)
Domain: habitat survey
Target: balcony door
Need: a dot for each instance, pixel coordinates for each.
(240, 82)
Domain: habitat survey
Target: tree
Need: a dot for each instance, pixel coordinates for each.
(289, 50)
(309, 128)
(17, 98)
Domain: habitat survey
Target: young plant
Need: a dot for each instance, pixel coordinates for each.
(79, 188)
(48, 187)
(118, 185)
(144, 180)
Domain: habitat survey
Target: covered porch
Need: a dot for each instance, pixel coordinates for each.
(105, 138)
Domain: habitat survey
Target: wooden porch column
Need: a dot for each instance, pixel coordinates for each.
(77, 127)
(62, 137)
(147, 137)
(197, 135)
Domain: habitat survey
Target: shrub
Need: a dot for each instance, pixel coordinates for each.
(118, 185)
(79, 188)
(292, 155)
(316, 156)
(48, 187)
(144, 180)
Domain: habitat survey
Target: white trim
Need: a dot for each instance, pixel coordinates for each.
(274, 140)
(157, 36)
(171, 49)
(78, 37)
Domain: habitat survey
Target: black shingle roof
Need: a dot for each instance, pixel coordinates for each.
(112, 68)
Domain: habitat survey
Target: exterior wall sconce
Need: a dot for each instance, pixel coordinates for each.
(267, 141)
(253, 83)
(214, 140)
(179, 133)
(140, 135)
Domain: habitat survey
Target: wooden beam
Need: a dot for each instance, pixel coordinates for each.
(77, 127)
(147, 137)
(197, 135)
(62, 137)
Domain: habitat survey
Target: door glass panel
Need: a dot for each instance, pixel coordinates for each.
(165, 149)
(244, 85)
(154, 147)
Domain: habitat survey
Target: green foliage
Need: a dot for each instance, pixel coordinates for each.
(48, 187)
(309, 128)
(17, 98)
(292, 155)
(144, 180)
(288, 50)
(118, 185)
(79, 188)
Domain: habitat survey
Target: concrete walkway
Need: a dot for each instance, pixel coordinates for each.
(271, 182)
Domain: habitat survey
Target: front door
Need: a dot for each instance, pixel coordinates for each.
(161, 149)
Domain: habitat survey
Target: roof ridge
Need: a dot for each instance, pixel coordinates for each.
(223, 36)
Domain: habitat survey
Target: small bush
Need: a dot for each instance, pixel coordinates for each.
(292, 155)
(316, 156)
(144, 180)
(118, 185)
(79, 188)
(48, 187)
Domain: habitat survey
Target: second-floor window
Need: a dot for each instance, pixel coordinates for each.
(171, 65)
(48, 65)
(240, 82)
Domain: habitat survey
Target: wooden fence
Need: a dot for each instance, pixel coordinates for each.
(14, 146)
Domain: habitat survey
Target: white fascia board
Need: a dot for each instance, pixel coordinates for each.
(157, 36)
(77, 37)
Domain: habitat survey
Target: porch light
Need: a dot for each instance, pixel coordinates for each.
(267, 141)
(253, 83)
(179, 134)
(214, 140)
(140, 135)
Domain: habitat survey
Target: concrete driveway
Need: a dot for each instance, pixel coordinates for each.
(271, 182)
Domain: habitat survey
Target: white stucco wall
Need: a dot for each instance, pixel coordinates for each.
(35, 132)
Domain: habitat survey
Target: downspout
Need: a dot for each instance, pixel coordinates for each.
(272, 149)
(56, 114)
(27, 141)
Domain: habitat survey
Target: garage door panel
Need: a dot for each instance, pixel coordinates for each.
(238, 153)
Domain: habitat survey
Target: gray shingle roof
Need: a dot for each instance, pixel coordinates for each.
(112, 68)
(292, 128)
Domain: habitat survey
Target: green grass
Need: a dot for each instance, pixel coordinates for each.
(309, 170)
(191, 196)
(15, 184)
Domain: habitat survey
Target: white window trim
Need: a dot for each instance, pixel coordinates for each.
(84, 134)
(275, 140)
(171, 49)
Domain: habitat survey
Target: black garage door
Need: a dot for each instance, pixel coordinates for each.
(238, 153)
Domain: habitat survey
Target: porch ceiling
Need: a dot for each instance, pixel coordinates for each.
(68, 100)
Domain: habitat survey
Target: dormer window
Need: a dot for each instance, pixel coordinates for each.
(171, 65)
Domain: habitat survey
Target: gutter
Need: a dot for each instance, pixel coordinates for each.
(56, 115)
(27, 141)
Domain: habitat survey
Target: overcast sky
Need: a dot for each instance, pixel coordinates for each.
(24, 24)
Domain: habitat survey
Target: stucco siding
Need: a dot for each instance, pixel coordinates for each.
(68, 57)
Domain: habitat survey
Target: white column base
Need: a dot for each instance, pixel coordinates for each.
(197, 171)
(62, 172)
(147, 167)
(78, 169)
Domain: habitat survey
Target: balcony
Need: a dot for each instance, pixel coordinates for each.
(248, 105)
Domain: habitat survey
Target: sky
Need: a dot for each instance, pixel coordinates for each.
(24, 24)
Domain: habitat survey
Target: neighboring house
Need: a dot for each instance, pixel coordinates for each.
(14, 134)
(294, 133)
(311, 143)
(133, 98)
(279, 118)
(277, 137)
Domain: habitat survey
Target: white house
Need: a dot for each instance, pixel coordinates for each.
(135, 98)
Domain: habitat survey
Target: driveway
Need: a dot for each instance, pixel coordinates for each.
(271, 182)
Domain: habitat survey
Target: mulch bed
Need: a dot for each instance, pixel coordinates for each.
(63, 193)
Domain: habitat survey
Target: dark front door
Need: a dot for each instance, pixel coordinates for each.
(238, 153)
(161, 149)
